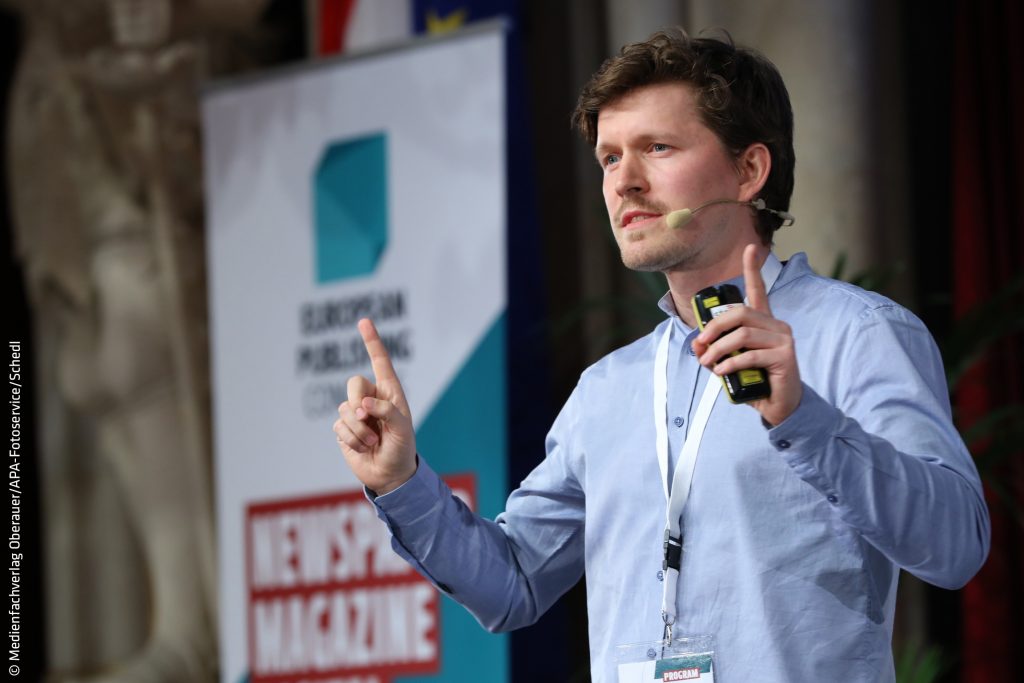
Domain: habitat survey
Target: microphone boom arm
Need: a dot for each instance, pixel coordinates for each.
(680, 217)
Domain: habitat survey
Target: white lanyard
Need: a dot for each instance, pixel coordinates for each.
(676, 496)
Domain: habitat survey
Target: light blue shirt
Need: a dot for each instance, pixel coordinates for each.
(793, 536)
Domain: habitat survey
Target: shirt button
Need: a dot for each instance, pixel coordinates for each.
(661, 575)
(783, 444)
(651, 654)
(832, 498)
(679, 421)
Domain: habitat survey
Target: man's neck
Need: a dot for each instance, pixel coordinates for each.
(683, 284)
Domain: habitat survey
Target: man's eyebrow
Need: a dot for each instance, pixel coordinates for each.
(647, 138)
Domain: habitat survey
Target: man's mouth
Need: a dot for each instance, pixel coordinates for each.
(636, 219)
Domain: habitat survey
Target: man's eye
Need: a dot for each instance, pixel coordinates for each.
(610, 159)
(659, 147)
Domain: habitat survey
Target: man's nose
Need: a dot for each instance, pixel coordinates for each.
(631, 178)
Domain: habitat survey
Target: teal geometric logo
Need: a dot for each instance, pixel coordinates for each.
(350, 207)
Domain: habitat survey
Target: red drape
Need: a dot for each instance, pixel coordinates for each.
(988, 250)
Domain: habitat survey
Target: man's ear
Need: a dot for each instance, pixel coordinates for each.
(753, 166)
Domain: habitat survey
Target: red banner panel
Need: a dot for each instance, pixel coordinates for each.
(329, 601)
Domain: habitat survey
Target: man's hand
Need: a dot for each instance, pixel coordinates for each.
(375, 428)
(769, 344)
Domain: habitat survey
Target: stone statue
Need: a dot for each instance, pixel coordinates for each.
(105, 168)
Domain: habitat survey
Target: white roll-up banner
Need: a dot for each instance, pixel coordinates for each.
(368, 186)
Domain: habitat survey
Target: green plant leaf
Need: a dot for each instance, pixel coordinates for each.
(917, 664)
(1004, 418)
(986, 323)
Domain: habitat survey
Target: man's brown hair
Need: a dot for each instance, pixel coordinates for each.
(739, 94)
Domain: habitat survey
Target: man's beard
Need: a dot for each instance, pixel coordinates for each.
(662, 256)
(658, 257)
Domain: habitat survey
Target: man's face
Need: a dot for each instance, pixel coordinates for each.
(658, 156)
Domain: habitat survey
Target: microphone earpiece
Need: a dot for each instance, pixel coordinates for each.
(787, 218)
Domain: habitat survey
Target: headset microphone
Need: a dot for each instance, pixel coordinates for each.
(680, 217)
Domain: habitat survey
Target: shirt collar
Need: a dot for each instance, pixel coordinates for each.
(667, 306)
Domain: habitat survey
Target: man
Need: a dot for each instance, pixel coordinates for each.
(802, 507)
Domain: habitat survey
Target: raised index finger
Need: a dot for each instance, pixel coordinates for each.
(380, 361)
(757, 297)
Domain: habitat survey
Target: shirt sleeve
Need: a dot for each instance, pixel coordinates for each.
(506, 572)
(885, 453)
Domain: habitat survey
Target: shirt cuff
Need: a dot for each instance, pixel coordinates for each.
(807, 429)
(411, 501)
(372, 495)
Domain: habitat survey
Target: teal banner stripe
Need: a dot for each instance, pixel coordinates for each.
(466, 431)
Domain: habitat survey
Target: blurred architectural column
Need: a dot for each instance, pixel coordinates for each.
(630, 21)
(840, 61)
